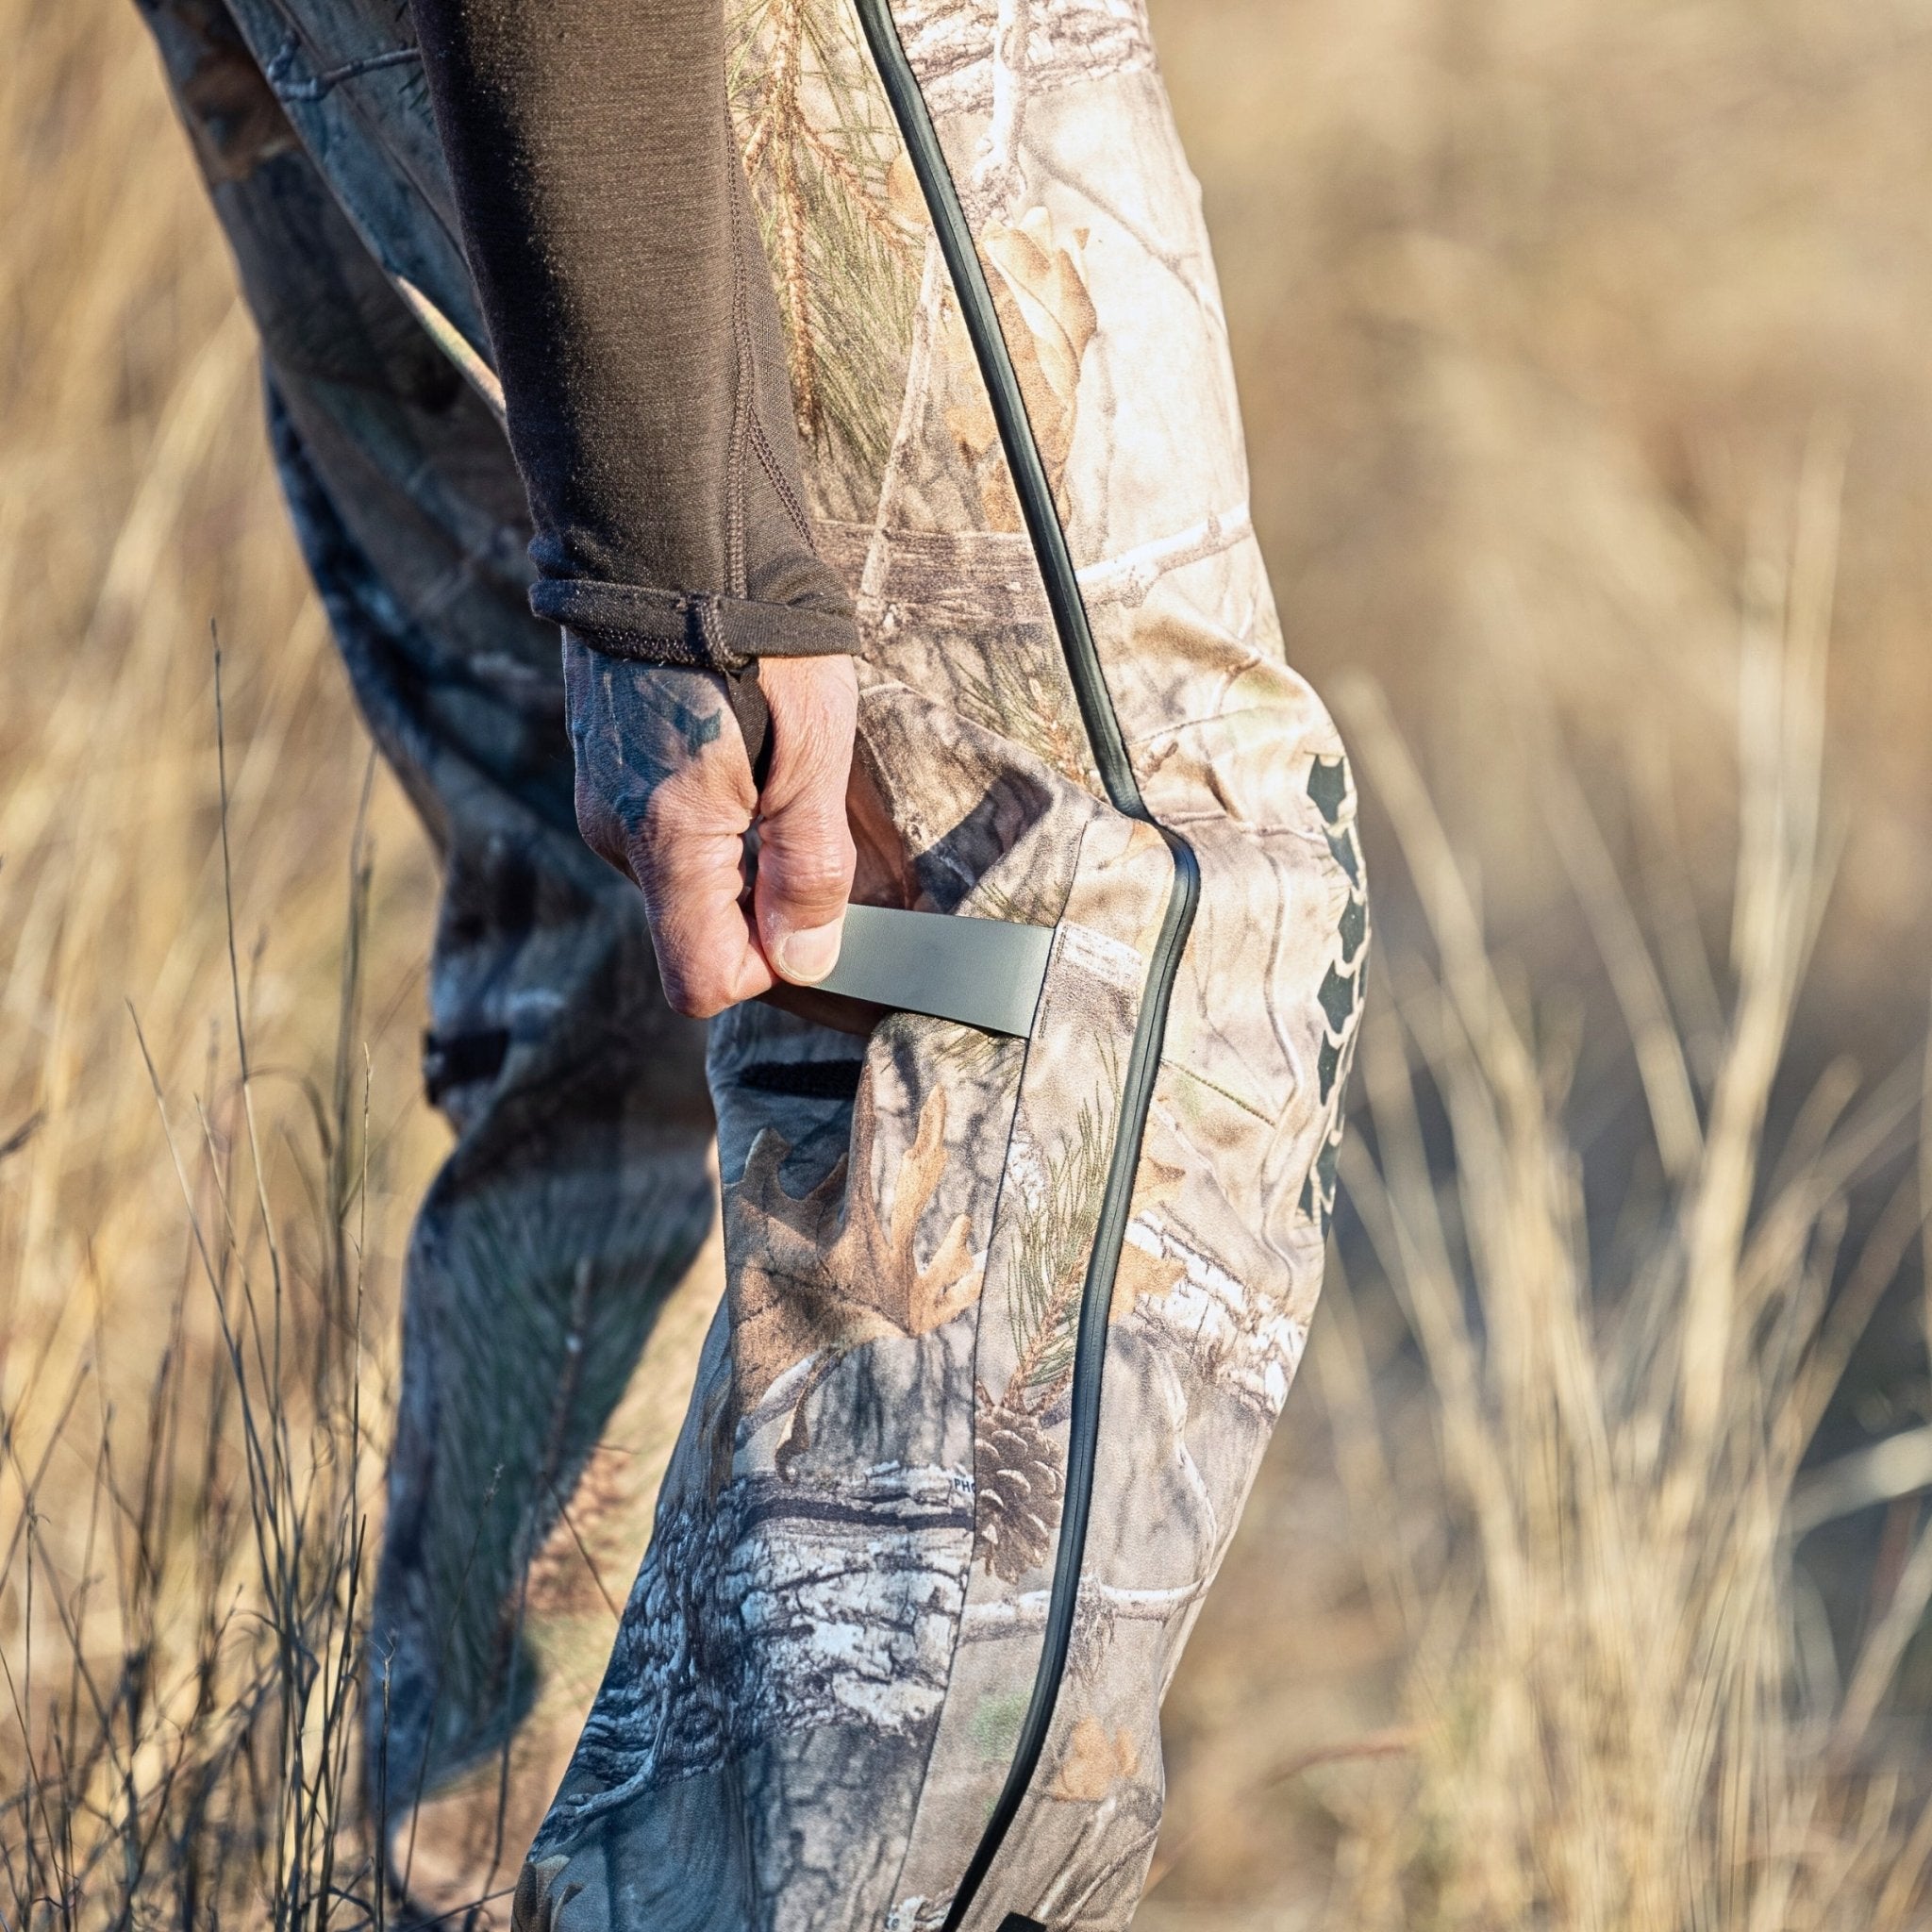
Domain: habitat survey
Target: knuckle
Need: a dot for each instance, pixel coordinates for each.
(694, 992)
(668, 848)
(690, 1003)
(643, 859)
(597, 822)
(812, 869)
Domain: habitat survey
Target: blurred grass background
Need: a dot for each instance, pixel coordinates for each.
(1581, 350)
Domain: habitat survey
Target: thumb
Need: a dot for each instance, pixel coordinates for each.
(804, 844)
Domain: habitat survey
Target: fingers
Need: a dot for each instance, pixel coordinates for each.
(664, 792)
(688, 860)
(805, 852)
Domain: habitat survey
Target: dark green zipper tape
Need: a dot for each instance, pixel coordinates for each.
(1124, 791)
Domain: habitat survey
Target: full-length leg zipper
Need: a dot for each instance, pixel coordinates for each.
(1116, 770)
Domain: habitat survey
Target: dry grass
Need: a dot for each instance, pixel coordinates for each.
(1538, 301)
(1618, 1723)
(1611, 1696)
(184, 1474)
(1534, 1504)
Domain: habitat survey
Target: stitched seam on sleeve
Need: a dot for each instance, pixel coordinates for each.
(745, 390)
(780, 482)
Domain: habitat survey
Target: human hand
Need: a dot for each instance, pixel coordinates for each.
(664, 794)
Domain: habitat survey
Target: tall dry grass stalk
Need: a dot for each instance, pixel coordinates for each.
(1617, 1726)
(205, 1767)
(185, 1473)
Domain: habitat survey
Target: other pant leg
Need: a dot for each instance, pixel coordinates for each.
(579, 1191)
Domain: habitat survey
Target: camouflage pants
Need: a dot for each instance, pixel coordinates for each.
(1004, 1323)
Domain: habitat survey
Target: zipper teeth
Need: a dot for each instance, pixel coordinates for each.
(1122, 789)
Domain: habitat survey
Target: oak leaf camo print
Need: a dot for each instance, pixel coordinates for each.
(811, 1694)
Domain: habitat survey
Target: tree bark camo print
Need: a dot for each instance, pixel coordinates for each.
(823, 1672)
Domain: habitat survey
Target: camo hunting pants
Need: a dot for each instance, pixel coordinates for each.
(1005, 1322)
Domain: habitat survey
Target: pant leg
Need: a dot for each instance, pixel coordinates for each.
(846, 1626)
(830, 1653)
(579, 1191)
